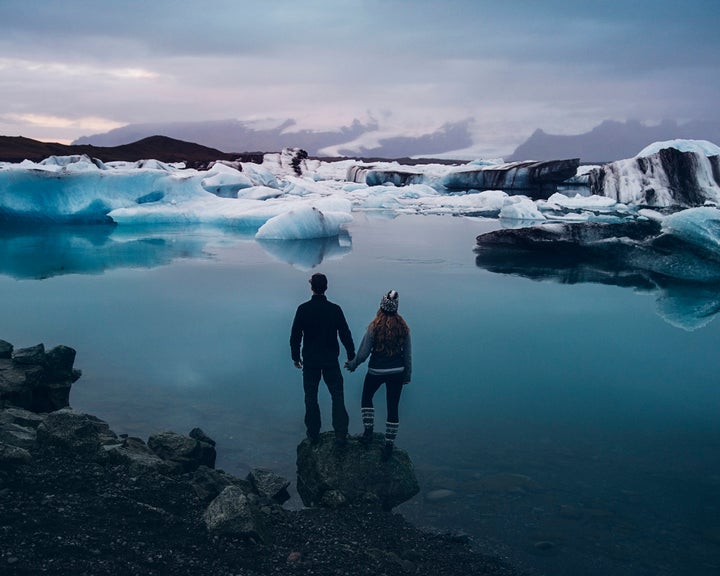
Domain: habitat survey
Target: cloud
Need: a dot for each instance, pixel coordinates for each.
(83, 123)
(560, 65)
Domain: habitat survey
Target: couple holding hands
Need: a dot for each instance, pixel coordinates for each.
(317, 325)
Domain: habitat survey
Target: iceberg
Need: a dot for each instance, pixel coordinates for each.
(698, 227)
(696, 146)
(248, 196)
(530, 175)
(303, 222)
(225, 181)
(520, 208)
(79, 190)
(678, 173)
(676, 256)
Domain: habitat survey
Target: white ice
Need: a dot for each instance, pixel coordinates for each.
(699, 146)
(697, 226)
(269, 199)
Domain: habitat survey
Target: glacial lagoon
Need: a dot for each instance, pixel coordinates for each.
(575, 426)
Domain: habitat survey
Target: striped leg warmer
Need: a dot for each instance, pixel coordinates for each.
(391, 430)
(368, 417)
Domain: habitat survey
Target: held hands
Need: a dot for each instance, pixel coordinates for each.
(347, 365)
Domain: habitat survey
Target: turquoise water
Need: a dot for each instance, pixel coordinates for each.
(571, 426)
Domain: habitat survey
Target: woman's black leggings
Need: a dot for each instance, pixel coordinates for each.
(393, 388)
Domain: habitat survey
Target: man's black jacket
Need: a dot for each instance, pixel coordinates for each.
(318, 323)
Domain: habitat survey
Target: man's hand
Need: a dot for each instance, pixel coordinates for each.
(298, 364)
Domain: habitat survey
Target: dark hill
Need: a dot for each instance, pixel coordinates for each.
(18, 148)
(163, 148)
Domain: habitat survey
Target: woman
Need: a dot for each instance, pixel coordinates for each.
(387, 342)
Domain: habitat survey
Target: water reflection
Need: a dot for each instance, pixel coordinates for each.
(307, 254)
(683, 304)
(44, 252)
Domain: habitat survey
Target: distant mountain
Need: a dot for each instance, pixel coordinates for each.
(240, 136)
(17, 149)
(611, 140)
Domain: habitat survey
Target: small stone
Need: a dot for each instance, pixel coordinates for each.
(294, 557)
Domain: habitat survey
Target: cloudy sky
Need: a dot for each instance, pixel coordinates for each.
(78, 67)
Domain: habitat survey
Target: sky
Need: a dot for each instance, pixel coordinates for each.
(74, 68)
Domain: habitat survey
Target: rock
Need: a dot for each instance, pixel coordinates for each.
(137, 456)
(333, 499)
(75, 432)
(19, 436)
(269, 485)
(200, 436)
(21, 417)
(18, 384)
(18, 427)
(294, 557)
(35, 380)
(33, 355)
(332, 476)
(59, 364)
(189, 452)
(235, 513)
(208, 483)
(6, 350)
(11, 456)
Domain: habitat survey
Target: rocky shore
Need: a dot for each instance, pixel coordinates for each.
(77, 498)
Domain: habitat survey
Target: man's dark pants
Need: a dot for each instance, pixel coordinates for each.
(332, 376)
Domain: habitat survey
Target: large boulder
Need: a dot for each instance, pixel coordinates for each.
(139, 458)
(269, 485)
(208, 483)
(34, 379)
(75, 432)
(238, 514)
(188, 451)
(6, 350)
(18, 427)
(354, 474)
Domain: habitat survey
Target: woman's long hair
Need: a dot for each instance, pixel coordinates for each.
(389, 333)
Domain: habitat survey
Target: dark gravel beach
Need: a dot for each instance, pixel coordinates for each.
(61, 514)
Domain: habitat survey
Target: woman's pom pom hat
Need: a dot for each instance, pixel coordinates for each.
(389, 302)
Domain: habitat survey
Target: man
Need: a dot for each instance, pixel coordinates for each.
(317, 324)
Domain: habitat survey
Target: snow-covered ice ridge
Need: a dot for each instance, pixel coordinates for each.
(271, 199)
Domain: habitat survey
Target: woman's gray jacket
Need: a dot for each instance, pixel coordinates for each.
(381, 364)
